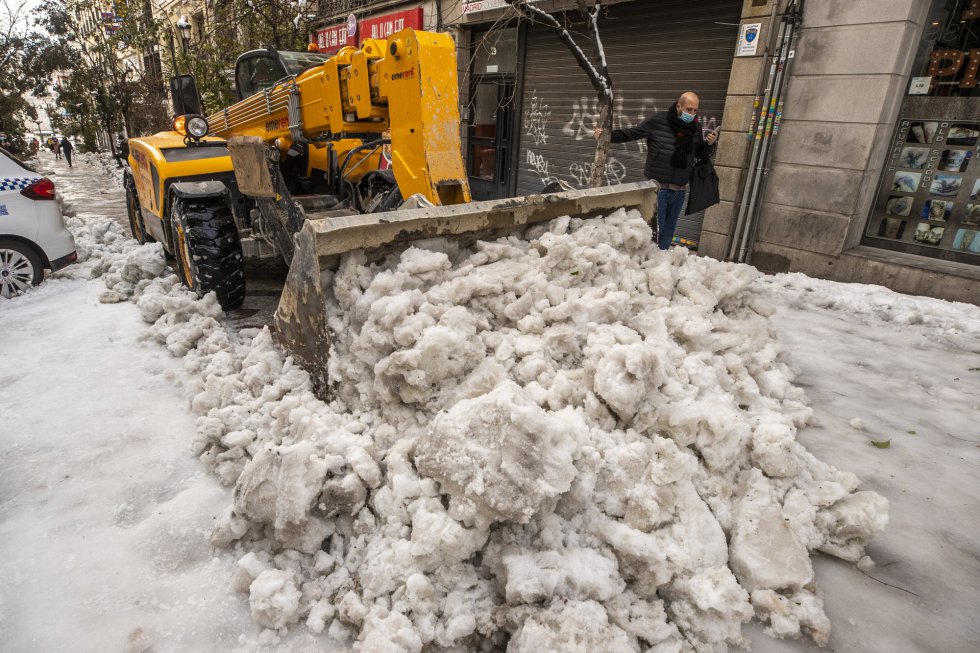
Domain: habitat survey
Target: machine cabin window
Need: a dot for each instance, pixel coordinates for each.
(257, 74)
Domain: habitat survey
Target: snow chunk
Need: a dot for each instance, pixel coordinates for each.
(851, 522)
(578, 574)
(765, 552)
(573, 627)
(499, 456)
(709, 609)
(802, 611)
(274, 599)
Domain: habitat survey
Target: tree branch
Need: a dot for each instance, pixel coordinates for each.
(598, 73)
(531, 12)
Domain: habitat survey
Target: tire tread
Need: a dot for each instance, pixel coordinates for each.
(217, 261)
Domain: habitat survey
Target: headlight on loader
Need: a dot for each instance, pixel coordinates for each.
(197, 127)
(191, 127)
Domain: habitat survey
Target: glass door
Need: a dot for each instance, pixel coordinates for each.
(492, 115)
(492, 103)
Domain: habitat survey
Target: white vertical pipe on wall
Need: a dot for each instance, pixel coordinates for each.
(758, 125)
(793, 18)
(768, 126)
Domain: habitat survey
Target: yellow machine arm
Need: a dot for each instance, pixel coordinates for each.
(406, 85)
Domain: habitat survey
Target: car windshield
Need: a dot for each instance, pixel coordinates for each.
(297, 62)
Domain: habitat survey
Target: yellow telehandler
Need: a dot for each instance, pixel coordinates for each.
(294, 169)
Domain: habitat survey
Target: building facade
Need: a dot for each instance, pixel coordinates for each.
(850, 129)
(341, 23)
(873, 175)
(532, 112)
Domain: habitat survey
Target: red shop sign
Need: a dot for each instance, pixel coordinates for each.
(331, 39)
(381, 27)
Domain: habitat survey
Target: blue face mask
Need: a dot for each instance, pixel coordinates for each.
(687, 117)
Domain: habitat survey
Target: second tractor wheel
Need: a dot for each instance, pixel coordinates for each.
(208, 249)
(136, 225)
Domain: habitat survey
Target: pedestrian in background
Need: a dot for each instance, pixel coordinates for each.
(56, 148)
(67, 147)
(674, 140)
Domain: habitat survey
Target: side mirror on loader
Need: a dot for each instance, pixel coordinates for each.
(185, 96)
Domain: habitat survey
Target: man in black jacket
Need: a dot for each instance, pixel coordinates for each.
(674, 139)
(67, 147)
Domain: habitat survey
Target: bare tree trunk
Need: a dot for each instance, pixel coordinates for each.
(602, 147)
(605, 95)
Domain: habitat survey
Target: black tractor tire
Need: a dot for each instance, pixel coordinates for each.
(20, 268)
(135, 215)
(208, 249)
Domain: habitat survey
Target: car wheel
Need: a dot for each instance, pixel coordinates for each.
(136, 225)
(20, 268)
(208, 249)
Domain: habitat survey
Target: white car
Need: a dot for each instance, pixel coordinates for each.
(32, 230)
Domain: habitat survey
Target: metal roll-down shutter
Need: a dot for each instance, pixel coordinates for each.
(656, 49)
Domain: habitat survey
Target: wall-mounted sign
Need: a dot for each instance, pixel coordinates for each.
(947, 63)
(920, 85)
(353, 32)
(331, 39)
(383, 26)
(748, 39)
(484, 5)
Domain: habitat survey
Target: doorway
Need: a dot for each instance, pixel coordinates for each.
(492, 107)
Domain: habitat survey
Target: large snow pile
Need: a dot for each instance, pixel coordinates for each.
(569, 441)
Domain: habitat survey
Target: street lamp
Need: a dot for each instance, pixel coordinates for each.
(184, 25)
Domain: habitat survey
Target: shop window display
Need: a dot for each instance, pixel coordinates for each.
(928, 201)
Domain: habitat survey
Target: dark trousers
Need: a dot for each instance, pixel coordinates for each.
(669, 205)
(68, 158)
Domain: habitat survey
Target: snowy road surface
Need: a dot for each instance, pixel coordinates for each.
(105, 512)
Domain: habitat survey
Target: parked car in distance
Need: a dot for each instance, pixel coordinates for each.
(33, 236)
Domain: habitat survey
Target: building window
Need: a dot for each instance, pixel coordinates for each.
(495, 53)
(928, 202)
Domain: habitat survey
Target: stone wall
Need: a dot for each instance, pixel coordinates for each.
(847, 81)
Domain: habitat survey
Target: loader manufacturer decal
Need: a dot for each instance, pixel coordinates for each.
(408, 74)
(277, 124)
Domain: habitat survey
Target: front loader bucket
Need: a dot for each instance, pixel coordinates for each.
(301, 319)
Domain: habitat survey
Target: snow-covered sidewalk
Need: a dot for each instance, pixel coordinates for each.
(105, 512)
(883, 367)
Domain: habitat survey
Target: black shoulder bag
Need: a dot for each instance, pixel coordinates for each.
(704, 186)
